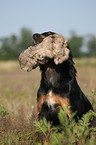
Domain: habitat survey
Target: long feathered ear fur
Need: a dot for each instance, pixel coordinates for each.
(70, 64)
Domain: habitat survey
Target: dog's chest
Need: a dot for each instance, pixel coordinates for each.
(53, 102)
(52, 76)
(50, 100)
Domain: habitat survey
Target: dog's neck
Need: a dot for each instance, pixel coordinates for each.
(55, 74)
(52, 76)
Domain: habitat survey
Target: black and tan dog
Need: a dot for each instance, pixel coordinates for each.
(59, 87)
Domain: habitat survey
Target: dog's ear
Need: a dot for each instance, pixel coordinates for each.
(70, 54)
(71, 63)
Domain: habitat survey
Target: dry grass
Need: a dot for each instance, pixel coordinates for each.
(19, 88)
(18, 91)
(86, 70)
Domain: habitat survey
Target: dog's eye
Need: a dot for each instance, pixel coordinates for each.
(36, 35)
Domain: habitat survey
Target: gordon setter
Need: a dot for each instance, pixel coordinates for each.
(59, 87)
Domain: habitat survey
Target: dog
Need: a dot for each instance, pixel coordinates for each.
(59, 87)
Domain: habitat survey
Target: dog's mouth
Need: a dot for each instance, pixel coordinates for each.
(43, 61)
(47, 62)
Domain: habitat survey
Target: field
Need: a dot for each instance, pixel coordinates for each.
(18, 91)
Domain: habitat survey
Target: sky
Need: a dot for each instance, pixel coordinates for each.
(60, 16)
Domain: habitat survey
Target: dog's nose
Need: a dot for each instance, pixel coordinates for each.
(36, 36)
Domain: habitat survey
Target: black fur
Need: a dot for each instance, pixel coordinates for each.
(61, 80)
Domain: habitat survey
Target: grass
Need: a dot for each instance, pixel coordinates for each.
(18, 91)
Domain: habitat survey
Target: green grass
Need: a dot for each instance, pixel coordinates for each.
(18, 111)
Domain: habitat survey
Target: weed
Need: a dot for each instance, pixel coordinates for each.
(3, 112)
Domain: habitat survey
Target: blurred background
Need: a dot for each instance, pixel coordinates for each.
(75, 20)
(19, 19)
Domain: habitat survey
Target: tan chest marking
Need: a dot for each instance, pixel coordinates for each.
(52, 99)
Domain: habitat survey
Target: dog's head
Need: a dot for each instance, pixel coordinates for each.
(38, 38)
